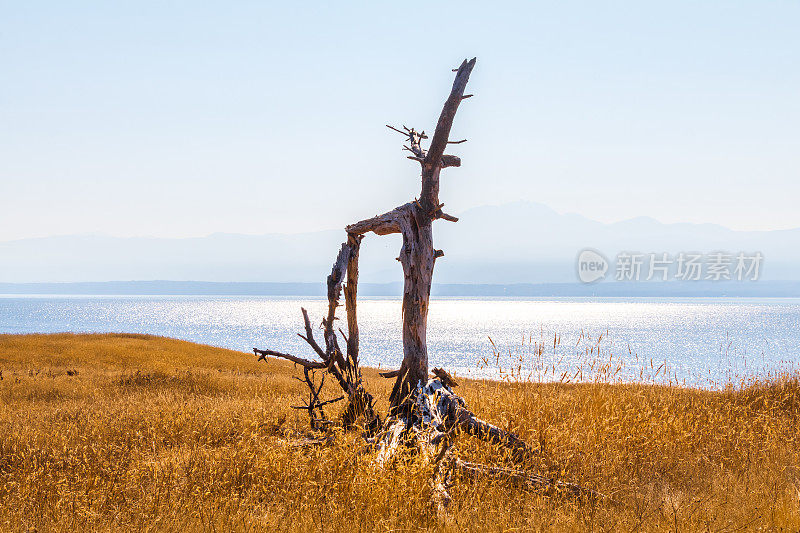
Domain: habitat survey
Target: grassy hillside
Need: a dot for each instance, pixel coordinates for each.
(131, 432)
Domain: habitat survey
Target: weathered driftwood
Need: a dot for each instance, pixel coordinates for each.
(342, 366)
(425, 415)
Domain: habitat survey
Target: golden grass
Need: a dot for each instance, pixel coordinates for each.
(154, 433)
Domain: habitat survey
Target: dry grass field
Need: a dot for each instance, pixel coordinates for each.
(132, 432)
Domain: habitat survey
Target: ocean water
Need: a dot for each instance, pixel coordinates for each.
(697, 342)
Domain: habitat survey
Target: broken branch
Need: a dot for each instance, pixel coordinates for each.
(384, 224)
(445, 123)
(527, 479)
(297, 360)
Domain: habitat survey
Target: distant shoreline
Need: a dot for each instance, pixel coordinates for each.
(736, 289)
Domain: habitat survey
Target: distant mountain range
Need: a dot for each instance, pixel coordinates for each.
(519, 243)
(784, 289)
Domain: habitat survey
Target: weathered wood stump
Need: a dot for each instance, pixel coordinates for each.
(425, 415)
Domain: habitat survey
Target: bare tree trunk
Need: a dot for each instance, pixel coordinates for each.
(417, 258)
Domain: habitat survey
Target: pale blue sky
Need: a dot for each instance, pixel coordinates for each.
(188, 118)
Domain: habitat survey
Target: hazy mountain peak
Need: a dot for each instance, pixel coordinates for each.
(519, 242)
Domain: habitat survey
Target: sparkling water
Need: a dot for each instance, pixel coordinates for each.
(697, 342)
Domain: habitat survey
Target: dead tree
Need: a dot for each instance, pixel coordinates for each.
(425, 415)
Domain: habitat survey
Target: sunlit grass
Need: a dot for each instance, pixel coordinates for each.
(130, 432)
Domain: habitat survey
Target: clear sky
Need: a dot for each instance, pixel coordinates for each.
(189, 118)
